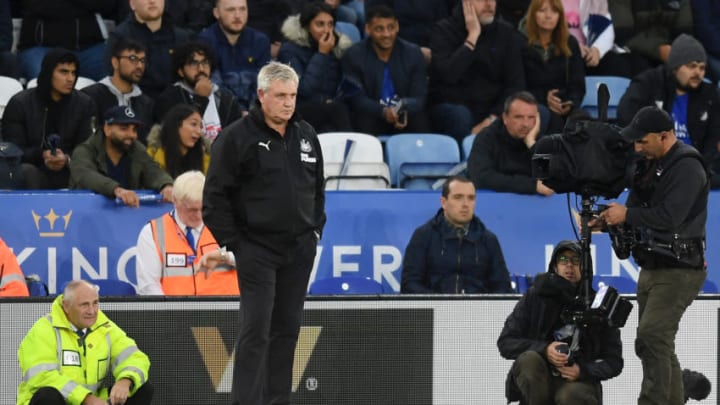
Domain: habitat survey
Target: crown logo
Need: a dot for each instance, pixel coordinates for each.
(51, 218)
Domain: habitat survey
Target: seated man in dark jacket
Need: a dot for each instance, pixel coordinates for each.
(535, 337)
(454, 252)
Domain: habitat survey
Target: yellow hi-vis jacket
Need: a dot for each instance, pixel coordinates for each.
(53, 355)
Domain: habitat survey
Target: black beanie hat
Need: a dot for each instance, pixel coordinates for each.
(685, 49)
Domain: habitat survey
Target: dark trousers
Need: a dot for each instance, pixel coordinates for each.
(273, 287)
(663, 295)
(51, 396)
(538, 386)
(42, 178)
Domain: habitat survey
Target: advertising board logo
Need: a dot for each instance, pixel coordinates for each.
(48, 225)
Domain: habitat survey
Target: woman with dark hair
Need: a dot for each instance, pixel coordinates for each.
(313, 48)
(179, 146)
(554, 68)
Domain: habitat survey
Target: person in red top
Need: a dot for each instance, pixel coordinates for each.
(12, 280)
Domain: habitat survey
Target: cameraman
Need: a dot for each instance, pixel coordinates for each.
(555, 361)
(667, 209)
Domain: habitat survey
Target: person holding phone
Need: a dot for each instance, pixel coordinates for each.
(553, 62)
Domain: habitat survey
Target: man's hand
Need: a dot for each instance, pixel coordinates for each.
(119, 392)
(615, 214)
(591, 55)
(553, 356)
(542, 189)
(93, 400)
(570, 373)
(483, 124)
(204, 86)
(664, 52)
(55, 162)
(531, 137)
(167, 193)
(390, 115)
(472, 24)
(128, 197)
(427, 54)
(556, 105)
(326, 43)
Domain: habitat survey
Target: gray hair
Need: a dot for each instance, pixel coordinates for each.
(275, 71)
(189, 186)
(71, 287)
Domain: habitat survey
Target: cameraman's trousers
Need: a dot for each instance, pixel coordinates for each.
(663, 295)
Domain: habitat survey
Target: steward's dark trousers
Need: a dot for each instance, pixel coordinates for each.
(273, 287)
(51, 396)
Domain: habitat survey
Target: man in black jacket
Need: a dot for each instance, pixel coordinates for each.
(678, 88)
(192, 63)
(555, 361)
(264, 199)
(501, 155)
(47, 122)
(128, 59)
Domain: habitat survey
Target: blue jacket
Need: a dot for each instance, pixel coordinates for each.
(239, 64)
(437, 261)
(407, 69)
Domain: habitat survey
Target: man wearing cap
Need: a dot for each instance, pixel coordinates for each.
(678, 88)
(113, 162)
(667, 209)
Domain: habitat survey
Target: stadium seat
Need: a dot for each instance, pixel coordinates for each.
(623, 285)
(521, 282)
(8, 88)
(345, 285)
(348, 29)
(80, 84)
(417, 160)
(353, 161)
(36, 287)
(114, 288)
(467, 144)
(709, 287)
(616, 85)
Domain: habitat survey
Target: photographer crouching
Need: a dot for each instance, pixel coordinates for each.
(558, 361)
(665, 214)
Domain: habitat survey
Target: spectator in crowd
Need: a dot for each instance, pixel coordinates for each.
(264, 199)
(193, 63)
(349, 11)
(113, 163)
(313, 48)
(475, 67)
(268, 16)
(160, 36)
(8, 59)
(678, 88)
(392, 76)
(554, 71)
(48, 121)
(647, 28)
(170, 248)
(512, 11)
(706, 14)
(556, 361)
(501, 154)
(178, 145)
(240, 50)
(454, 253)
(128, 60)
(192, 15)
(92, 346)
(74, 25)
(416, 19)
(12, 280)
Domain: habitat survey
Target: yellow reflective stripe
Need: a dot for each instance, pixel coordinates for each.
(8, 278)
(35, 370)
(135, 370)
(124, 355)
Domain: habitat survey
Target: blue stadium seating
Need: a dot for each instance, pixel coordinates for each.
(709, 287)
(617, 87)
(467, 144)
(345, 285)
(623, 285)
(416, 161)
(348, 29)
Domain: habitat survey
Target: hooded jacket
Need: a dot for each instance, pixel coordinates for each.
(226, 103)
(320, 74)
(25, 117)
(536, 316)
(439, 260)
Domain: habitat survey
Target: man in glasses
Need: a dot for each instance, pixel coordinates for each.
(128, 59)
(556, 361)
(193, 63)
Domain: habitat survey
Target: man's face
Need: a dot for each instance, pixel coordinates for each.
(459, 205)
(130, 65)
(520, 118)
(189, 212)
(193, 70)
(278, 102)
(382, 32)
(567, 266)
(652, 145)
(121, 136)
(485, 10)
(232, 15)
(82, 311)
(147, 10)
(690, 75)
(63, 79)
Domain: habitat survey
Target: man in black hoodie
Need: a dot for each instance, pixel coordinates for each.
(47, 122)
(555, 361)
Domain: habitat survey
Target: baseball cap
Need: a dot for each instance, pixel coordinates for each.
(121, 114)
(647, 119)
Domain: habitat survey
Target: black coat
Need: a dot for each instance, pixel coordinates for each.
(226, 104)
(104, 99)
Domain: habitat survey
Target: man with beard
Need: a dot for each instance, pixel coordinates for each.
(113, 162)
(678, 88)
(128, 59)
(240, 50)
(193, 63)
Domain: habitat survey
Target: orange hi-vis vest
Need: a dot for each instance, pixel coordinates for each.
(12, 281)
(180, 264)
